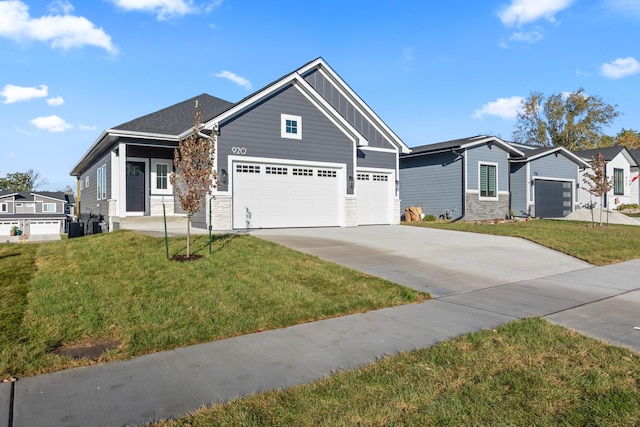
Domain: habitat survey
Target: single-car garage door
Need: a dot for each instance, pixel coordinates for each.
(44, 227)
(553, 198)
(374, 197)
(267, 195)
(6, 226)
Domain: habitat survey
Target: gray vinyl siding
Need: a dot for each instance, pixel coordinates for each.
(433, 182)
(551, 166)
(376, 159)
(89, 205)
(39, 201)
(519, 184)
(347, 109)
(258, 131)
(488, 154)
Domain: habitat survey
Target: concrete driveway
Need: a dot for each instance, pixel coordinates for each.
(440, 262)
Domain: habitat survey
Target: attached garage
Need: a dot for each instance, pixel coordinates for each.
(6, 226)
(375, 195)
(45, 227)
(272, 195)
(553, 199)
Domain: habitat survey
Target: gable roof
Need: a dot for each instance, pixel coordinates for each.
(636, 155)
(176, 121)
(463, 143)
(29, 195)
(535, 153)
(608, 153)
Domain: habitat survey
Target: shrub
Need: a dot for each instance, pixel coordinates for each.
(628, 206)
(429, 218)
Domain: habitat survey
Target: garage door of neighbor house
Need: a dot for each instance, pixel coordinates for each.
(269, 195)
(374, 190)
(6, 226)
(553, 198)
(44, 227)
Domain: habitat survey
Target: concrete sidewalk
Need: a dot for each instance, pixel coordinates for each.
(599, 301)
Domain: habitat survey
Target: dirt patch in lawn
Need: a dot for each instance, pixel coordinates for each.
(89, 348)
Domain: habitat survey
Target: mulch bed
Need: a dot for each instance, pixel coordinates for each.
(184, 258)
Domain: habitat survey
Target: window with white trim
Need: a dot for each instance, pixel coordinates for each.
(86, 182)
(4, 207)
(49, 207)
(290, 126)
(488, 181)
(99, 183)
(104, 182)
(160, 179)
(618, 182)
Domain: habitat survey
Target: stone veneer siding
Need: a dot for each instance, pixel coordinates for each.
(476, 209)
(221, 213)
(351, 212)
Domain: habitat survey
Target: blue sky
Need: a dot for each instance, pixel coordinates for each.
(433, 71)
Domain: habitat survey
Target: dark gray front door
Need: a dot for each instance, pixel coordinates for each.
(553, 198)
(135, 186)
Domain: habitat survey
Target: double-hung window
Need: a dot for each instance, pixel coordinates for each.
(618, 182)
(162, 176)
(488, 181)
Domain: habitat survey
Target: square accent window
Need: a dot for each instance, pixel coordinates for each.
(290, 126)
(488, 184)
(618, 182)
(48, 207)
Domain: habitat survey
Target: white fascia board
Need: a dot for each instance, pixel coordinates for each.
(46, 197)
(362, 107)
(505, 145)
(305, 89)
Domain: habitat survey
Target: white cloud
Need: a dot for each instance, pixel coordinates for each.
(51, 123)
(62, 31)
(506, 108)
(54, 102)
(521, 12)
(240, 81)
(620, 67)
(61, 7)
(164, 9)
(14, 93)
(86, 127)
(624, 5)
(527, 37)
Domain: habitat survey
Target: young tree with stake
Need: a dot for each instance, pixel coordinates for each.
(597, 182)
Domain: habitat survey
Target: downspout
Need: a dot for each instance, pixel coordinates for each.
(464, 184)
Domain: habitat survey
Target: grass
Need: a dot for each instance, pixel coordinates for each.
(596, 245)
(120, 286)
(525, 373)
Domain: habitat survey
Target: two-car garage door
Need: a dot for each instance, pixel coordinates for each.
(270, 195)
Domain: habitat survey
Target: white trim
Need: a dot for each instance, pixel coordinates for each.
(283, 126)
(496, 197)
(4, 207)
(55, 207)
(383, 150)
(492, 139)
(574, 191)
(153, 178)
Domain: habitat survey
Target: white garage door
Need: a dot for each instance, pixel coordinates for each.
(44, 227)
(6, 226)
(279, 196)
(375, 195)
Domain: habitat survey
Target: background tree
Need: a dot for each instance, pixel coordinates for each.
(193, 177)
(574, 121)
(597, 182)
(22, 181)
(628, 138)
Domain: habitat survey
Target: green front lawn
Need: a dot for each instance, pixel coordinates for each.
(525, 373)
(119, 287)
(596, 245)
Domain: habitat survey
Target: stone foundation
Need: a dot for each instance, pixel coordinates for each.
(476, 209)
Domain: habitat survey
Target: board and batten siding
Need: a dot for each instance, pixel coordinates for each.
(519, 183)
(258, 132)
(433, 182)
(346, 108)
(376, 159)
(487, 154)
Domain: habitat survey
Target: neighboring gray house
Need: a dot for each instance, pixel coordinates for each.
(545, 181)
(620, 167)
(36, 212)
(303, 151)
(461, 179)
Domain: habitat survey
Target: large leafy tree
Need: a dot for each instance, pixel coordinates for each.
(628, 138)
(574, 120)
(194, 176)
(22, 181)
